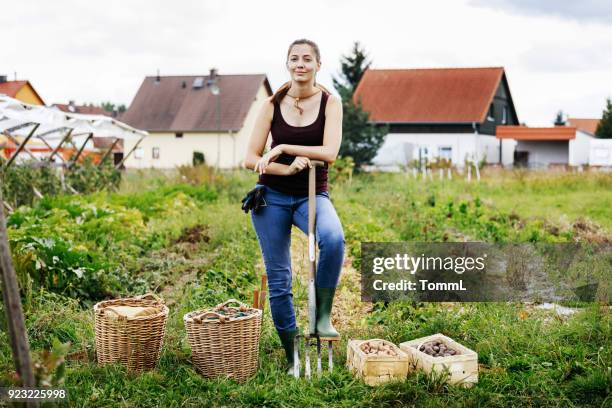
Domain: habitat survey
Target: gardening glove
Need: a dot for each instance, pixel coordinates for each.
(254, 199)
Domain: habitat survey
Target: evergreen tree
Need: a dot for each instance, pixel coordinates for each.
(360, 138)
(352, 68)
(559, 121)
(604, 129)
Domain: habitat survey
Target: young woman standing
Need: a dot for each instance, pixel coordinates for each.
(306, 123)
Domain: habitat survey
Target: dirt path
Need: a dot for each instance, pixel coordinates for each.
(186, 272)
(349, 312)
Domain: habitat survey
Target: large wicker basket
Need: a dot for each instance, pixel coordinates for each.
(225, 347)
(135, 342)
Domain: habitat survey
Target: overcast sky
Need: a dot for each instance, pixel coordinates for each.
(557, 53)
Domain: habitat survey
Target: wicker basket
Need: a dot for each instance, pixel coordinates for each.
(135, 342)
(224, 347)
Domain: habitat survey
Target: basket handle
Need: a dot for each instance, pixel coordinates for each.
(198, 318)
(150, 296)
(220, 305)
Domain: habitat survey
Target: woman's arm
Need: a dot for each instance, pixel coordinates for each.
(257, 143)
(332, 136)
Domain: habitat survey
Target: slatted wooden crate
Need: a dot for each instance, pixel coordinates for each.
(462, 367)
(375, 370)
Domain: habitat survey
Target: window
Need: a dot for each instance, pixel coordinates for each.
(155, 152)
(505, 115)
(178, 134)
(445, 152)
(138, 153)
(491, 115)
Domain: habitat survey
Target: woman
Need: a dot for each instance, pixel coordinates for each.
(306, 123)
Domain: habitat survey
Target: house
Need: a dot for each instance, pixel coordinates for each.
(600, 151)
(186, 115)
(588, 126)
(21, 90)
(90, 109)
(538, 147)
(449, 113)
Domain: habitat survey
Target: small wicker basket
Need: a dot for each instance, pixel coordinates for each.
(222, 346)
(135, 342)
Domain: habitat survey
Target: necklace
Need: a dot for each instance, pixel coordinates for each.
(297, 100)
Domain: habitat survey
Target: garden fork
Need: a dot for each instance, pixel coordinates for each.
(311, 338)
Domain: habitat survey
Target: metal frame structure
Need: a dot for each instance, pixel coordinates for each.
(69, 126)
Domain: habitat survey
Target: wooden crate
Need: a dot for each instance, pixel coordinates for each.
(462, 367)
(375, 370)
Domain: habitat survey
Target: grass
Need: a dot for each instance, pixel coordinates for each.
(527, 357)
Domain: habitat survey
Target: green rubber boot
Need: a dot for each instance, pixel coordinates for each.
(287, 338)
(325, 299)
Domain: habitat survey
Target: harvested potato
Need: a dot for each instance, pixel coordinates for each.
(436, 349)
(378, 348)
(227, 313)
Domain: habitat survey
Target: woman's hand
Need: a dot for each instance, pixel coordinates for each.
(262, 163)
(298, 164)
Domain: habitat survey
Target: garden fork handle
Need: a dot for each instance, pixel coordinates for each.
(312, 257)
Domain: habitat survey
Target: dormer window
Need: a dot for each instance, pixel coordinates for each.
(491, 114)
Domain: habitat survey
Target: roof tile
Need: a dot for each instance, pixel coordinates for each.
(173, 104)
(433, 95)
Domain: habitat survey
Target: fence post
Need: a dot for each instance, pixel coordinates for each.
(18, 335)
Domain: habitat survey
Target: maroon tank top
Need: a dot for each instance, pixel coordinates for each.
(310, 135)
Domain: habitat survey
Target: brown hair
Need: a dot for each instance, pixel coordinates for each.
(282, 91)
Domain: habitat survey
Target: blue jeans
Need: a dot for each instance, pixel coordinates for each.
(273, 224)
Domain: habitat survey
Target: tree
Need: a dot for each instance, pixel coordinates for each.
(361, 139)
(604, 128)
(559, 121)
(111, 107)
(352, 68)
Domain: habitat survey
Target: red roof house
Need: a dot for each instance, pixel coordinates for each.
(448, 113)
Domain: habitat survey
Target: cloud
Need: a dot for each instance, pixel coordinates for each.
(101, 50)
(599, 11)
(556, 57)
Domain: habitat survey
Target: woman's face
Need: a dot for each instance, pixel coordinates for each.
(302, 63)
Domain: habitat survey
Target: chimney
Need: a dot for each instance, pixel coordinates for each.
(213, 73)
(2, 79)
(71, 106)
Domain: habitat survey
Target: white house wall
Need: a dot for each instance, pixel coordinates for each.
(401, 148)
(542, 153)
(579, 149)
(508, 148)
(488, 147)
(173, 151)
(600, 152)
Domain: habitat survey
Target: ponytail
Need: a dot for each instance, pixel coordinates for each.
(282, 91)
